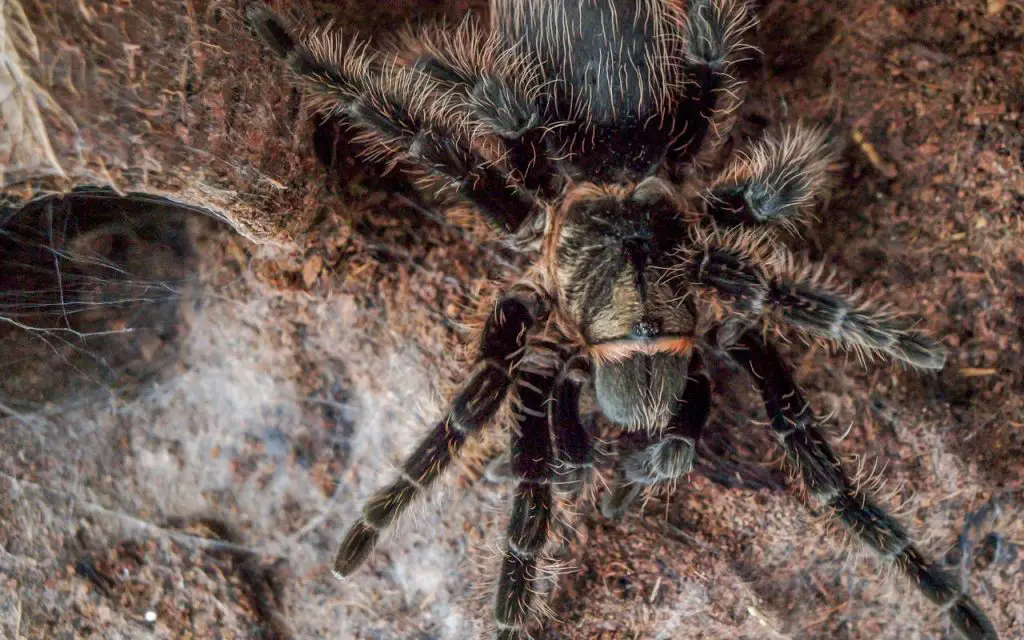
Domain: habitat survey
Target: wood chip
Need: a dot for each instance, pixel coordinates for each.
(887, 169)
(989, 110)
(975, 372)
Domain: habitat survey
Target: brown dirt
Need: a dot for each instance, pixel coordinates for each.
(302, 370)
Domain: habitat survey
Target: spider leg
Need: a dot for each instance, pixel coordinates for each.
(500, 351)
(713, 33)
(532, 468)
(751, 282)
(668, 455)
(775, 181)
(576, 452)
(806, 448)
(497, 84)
(400, 112)
(570, 450)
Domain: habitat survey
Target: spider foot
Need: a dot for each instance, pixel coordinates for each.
(661, 462)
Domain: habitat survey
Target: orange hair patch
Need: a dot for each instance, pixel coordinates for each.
(619, 350)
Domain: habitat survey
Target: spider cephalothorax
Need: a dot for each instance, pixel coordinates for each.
(581, 130)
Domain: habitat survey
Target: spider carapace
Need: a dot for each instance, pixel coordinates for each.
(586, 133)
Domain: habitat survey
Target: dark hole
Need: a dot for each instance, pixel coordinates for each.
(91, 285)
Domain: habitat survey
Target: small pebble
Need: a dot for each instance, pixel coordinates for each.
(151, 616)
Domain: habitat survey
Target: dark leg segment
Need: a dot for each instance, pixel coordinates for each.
(531, 466)
(402, 115)
(713, 45)
(497, 85)
(803, 297)
(806, 448)
(648, 461)
(575, 450)
(500, 352)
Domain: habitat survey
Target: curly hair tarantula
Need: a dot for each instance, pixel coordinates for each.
(581, 131)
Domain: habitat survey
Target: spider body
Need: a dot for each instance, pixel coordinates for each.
(611, 249)
(580, 130)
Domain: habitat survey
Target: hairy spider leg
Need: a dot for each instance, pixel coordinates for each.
(775, 181)
(576, 452)
(498, 86)
(403, 115)
(649, 459)
(808, 451)
(802, 297)
(707, 111)
(530, 456)
(500, 353)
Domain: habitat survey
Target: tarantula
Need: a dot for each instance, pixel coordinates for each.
(582, 131)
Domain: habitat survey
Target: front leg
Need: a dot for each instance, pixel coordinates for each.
(830, 489)
(754, 281)
(531, 467)
(652, 459)
(499, 354)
